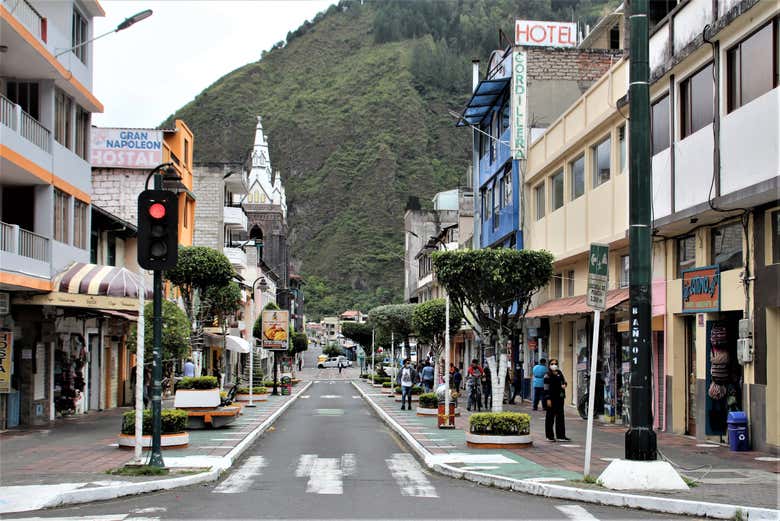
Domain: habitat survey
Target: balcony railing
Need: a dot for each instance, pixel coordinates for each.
(24, 242)
(29, 17)
(12, 116)
(7, 112)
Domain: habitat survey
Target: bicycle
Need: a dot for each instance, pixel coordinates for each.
(475, 395)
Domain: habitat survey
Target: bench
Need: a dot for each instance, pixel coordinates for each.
(214, 417)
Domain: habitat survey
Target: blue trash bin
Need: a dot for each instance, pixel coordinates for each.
(738, 433)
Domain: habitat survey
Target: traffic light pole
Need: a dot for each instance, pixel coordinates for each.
(640, 438)
(156, 459)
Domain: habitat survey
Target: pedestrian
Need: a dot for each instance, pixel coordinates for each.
(339, 366)
(300, 363)
(473, 385)
(189, 369)
(427, 377)
(539, 370)
(407, 377)
(517, 384)
(455, 378)
(487, 388)
(554, 396)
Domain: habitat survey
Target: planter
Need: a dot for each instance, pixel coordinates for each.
(167, 441)
(424, 411)
(255, 397)
(196, 398)
(490, 441)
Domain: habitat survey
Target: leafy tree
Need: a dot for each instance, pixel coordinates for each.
(333, 349)
(358, 333)
(429, 321)
(219, 303)
(299, 342)
(394, 319)
(494, 286)
(175, 333)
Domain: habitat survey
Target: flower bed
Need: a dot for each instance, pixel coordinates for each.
(174, 434)
(429, 405)
(499, 430)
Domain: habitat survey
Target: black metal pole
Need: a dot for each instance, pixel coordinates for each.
(640, 438)
(275, 392)
(156, 458)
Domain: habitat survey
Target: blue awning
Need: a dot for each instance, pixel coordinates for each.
(486, 95)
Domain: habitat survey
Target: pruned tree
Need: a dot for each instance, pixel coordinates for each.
(332, 349)
(175, 335)
(394, 319)
(299, 342)
(494, 287)
(429, 321)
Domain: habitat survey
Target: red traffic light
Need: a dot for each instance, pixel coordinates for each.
(157, 211)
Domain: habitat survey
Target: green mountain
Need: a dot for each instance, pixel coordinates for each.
(356, 106)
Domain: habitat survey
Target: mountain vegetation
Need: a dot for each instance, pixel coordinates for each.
(356, 105)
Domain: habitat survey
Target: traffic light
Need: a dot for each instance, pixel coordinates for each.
(158, 229)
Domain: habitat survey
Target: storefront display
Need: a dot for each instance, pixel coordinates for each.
(724, 374)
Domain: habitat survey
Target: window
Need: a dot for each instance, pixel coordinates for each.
(488, 202)
(508, 188)
(82, 132)
(556, 190)
(686, 254)
(570, 283)
(775, 217)
(696, 101)
(726, 246)
(614, 38)
(61, 213)
(185, 217)
(186, 152)
(624, 271)
(485, 206)
(505, 116)
(62, 123)
(494, 134)
(558, 285)
(483, 140)
(79, 36)
(659, 115)
(539, 191)
(623, 148)
(80, 212)
(25, 95)
(110, 249)
(752, 66)
(577, 168)
(602, 161)
(496, 202)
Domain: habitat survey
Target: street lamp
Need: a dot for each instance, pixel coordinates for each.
(121, 27)
(262, 286)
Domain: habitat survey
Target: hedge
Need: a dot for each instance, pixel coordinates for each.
(500, 423)
(429, 401)
(198, 382)
(174, 421)
(255, 390)
(415, 389)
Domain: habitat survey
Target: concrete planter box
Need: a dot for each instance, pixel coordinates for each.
(167, 441)
(187, 398)
(488, 441)
(255, 397)
(424, 411)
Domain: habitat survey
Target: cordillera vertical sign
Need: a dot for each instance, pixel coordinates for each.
(519, 102)
(126, 148)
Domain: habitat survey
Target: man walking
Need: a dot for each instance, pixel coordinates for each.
(487, 388)
(407, 377)
(539, 370)
(427, 377)
(189, 368)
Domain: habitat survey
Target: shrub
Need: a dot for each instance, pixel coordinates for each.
(429, 401)
(255, 390)
(397, 389)
(269, 383)
(364, 376)
(173, 421)
(417, 389)
(198, 382)
(500, 423)
(386, 385)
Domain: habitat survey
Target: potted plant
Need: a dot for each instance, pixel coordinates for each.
(499, 430)
(174, 433)
(429, 405)
(259, 394)
(198, 391)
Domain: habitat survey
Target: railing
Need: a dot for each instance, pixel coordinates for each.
(7, 112)
(35, 132)
(29, 17)
(23, 242)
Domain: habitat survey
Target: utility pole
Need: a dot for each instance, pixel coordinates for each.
(640, 438)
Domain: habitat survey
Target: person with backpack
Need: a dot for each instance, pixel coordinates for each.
(407, 378)
(427, 377)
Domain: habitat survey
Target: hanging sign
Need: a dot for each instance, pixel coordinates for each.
(276, 327)
(545, 34)
(598, 276)
(701, 290)
(6, 338)
(519, 102)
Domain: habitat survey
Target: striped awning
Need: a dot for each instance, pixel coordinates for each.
(95, 279)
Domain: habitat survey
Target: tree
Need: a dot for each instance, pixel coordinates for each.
(299, 342)
(219, 303)
(396, 319)
(358, 333)
(429, 321)
(175, 333)
(332, 349)
(494, 286)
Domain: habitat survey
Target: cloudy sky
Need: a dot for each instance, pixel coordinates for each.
(143, 74)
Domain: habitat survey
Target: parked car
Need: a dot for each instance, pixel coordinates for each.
(334, 362)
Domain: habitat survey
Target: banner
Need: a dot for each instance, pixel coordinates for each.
(126, 148)
(276, 329)
(6, 339)
(519, 103)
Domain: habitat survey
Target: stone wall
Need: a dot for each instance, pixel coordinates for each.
(209, 188)
(116, 191)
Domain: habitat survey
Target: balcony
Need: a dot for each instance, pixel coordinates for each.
(24, 252)
(24, 125)
(235, 218)
(236, 256)
(30, 18)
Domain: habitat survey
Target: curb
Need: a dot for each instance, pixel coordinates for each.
(87, 495)
(649, 503)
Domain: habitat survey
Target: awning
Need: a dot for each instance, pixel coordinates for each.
(95, 279)
(575, 305)
(237, 344)
(485, 96)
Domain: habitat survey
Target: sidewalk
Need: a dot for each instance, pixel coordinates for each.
(723, 477)
(67, 461)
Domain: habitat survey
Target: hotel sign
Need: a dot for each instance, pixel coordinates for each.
(519, 102)
(126, 148)
(701, 290)
(534, 33)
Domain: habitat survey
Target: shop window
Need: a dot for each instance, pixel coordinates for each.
(570, 283)
(61, 214)
(775, 217)
(696, 101)
(558, 285)
(539, 192)
(556, 190)
(752, 66)
(686, 254)
(623, 148)
(602, 161)
(726, 246)
(577, 168)
(659, 115)
(625, 266)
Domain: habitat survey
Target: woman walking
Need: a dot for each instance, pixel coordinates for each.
(554, 397)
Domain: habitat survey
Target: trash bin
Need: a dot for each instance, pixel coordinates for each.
(738, 433)
(286, 385)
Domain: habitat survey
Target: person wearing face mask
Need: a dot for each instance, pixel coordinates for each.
(407, 378)
(554, 395)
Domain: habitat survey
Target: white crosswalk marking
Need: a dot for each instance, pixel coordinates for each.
(107, 517)
(305, 463)
(325, 477)
(576, 512)
(241, 479)
(410, 477)
(348, 464)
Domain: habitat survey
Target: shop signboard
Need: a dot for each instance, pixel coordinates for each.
(545, 34)
(701, 290)
(598, 276)
(276, 326)
(519, 102)
(6, 338)
(126, 148)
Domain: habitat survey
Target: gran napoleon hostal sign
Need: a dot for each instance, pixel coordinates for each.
(701, 290)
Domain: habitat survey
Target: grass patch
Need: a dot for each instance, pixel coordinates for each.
(138, 470)
(692, 483)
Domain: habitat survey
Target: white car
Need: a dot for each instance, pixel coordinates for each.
(334, 362)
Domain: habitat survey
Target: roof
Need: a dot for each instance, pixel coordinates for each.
(131, 229)
(575, 305)
(99, 280)
(351, 313)
(485, 96)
